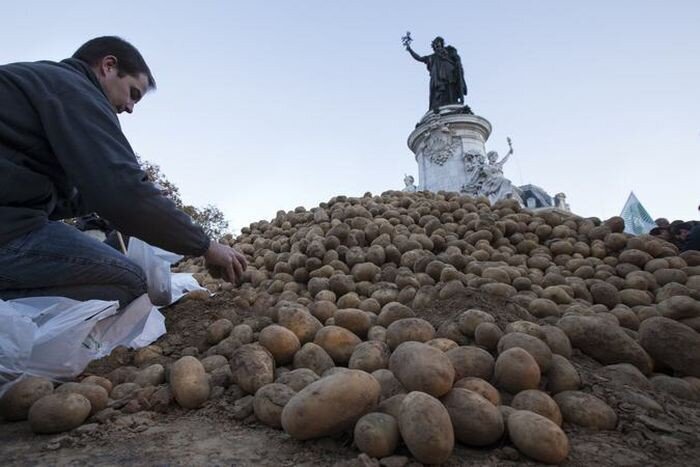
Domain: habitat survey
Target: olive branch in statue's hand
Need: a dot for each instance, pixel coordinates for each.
(407, 39)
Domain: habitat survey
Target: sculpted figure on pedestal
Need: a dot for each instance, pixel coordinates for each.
(485, 176)
(409, 181)
(447, 84)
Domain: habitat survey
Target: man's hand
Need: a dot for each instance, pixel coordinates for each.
(224, 260)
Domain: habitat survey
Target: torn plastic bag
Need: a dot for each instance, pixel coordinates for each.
(155, 262)
(43, 336)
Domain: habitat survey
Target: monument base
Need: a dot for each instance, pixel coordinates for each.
(450, 149)
(441, 141)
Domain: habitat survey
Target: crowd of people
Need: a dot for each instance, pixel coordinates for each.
(684, 234)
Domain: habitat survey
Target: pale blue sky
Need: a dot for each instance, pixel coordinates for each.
(263, 106)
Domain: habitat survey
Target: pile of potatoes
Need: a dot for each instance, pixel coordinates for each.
(347, 346)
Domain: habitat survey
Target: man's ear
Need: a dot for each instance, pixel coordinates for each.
(108, 65)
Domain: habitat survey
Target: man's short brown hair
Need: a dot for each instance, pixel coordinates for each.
(129, 59)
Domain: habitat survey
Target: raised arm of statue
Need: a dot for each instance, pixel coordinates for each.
(415, 55)
(507, 156)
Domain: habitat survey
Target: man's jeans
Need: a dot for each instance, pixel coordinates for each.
(59, 260)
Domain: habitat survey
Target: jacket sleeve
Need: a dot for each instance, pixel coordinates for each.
(85, 136)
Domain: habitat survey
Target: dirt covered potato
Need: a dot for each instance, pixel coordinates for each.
(354, 320)
(471, 361)
(313, 357)
(280, 342)
(537, 437)
(56, 413)
(189, 382)
(377, 434)
(330, 405)
(476, 421)
(252, 367)
(97, 395)
(15, 403)
(269, 402)
(370, 356)
(481, 387)
(538, 402)
(426, 427)
(338, 342)
(409, 329)
(585, 409)
(420, 367)
(219, 330)
(516, 370)
(297, 379)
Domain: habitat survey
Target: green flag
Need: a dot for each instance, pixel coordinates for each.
(637, 219)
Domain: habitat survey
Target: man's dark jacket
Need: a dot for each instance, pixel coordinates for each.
(63, 154)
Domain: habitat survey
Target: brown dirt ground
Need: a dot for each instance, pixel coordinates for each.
(211, 436)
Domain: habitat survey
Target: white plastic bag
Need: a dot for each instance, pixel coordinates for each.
(43, 336)
(156, 264)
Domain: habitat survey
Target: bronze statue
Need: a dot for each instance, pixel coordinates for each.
(447, 84)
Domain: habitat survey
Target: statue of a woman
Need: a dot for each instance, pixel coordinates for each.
(495, 185)
(446, 74)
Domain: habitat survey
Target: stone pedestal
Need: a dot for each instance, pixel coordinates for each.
(441, 142)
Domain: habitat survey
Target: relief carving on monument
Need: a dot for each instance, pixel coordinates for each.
(440, 145)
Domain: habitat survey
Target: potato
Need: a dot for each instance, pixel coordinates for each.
(534, 346)
(392, 405)
(145, 355)
(538, 402)
(338, 342)
(152, 375)
(242, 333)
(189, 382)
(377, 434)
(557, 341)
(537, 437)
(219, 330)
(297, 379)
(476, 421)
(213, 362)
(469, 320)
(471, 361)
(97, 395)
(409, 329)
(516, 370)
(586, 410)
(269, 402)
(59, 412)
(370, 356)
(100, 381)
(607, 344)
(442, 343)
(526, 327)
(480, 387)
(562, 376)
(376, 333)
(300, 322)
(252, 367)
(313, 357)
(282, 343)
(124, 390)
(421, 367)
(425, 427)
(677, 387)
(390, 385)
(668, 342)
(330, 405)
(356, 321)
(322, 310)
(15, 403)
(394, 311)
(625, 374)
(487, 336)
